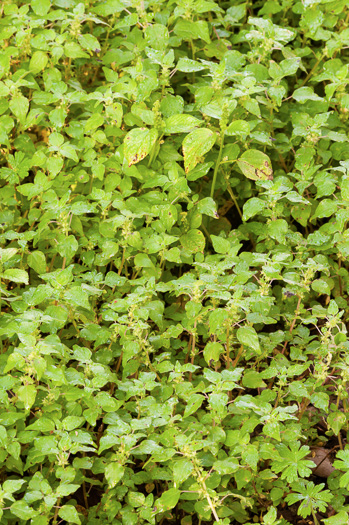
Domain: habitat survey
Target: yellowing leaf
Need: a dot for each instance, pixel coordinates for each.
(256, 165)
(195, 145)
(193, 241)
(138, 144)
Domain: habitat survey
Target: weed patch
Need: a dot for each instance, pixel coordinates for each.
(174, 189)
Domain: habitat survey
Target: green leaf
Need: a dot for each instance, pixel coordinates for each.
(326, 208)
(94, 122)
(114, 473)
(345, 189)
(298, 389)
(255, 165)
(40, 7)
(89, 42)
(67, 150)
(248, 336)
(218, 403)
(138, 143)
(19, 106)
(43, 424)
(220, 244)
(305, 93)
(238, 127)
(64, 489)
(321, 286)
(252, 106)
(217, 318)
(38, 61)
(157, 36)
(277, 230)
(14, 360)
(22, 510)
(186, 65)
(226, 466)
(189, 30)
(341, 518)
(37, 261)
(196, 145)
(252, 207)
(68, 246)
(69, 514)
(168, 500)
(78, 297)
(7, 253)
(213, 351)
(82, 207)
(12, 485)
(272, 429)
(72, 422)
(193, 403)
(207, 206)
(320, 400)
(73, 50)
(336, 421)
(181, 124)
(182, 469)
(290, 66)
(27, 395)
(16, 276)
(252, 379)
(270, 517)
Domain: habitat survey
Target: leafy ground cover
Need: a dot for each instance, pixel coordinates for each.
(174, 262)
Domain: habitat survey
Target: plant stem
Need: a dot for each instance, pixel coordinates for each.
(193, 341)
(85, 494)
(205, 231)
(233, 198)
(56, 511)
(118, 363)
(67, 70)
(293, 321)
(227, 348)
(314, 516)
(239, 354)
(312, 71)
(218, 161)
(211, 506)
(122, 262)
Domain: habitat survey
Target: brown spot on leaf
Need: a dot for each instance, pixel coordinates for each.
(137, 158)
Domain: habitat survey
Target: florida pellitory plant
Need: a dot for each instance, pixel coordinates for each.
(174, 188)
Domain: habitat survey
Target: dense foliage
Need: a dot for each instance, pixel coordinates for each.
(174, 188)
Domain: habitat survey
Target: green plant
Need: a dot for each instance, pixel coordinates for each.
(174, 189)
